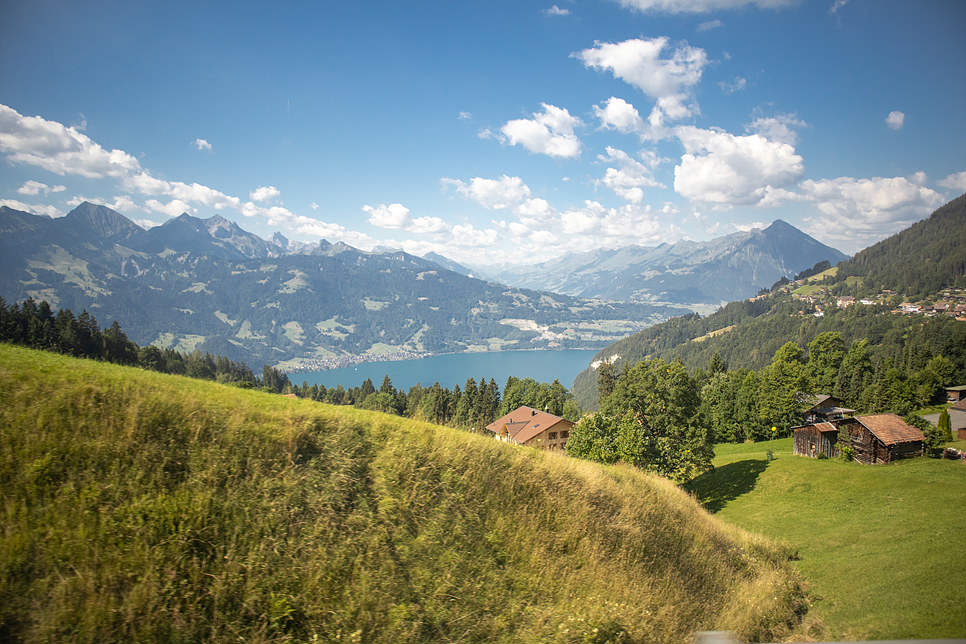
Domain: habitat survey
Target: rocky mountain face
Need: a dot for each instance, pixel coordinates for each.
(210, 285)
(728, 268)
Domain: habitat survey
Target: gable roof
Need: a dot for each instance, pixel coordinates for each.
(826, 427)
(890, 429)
(523, 423)
(960, 406)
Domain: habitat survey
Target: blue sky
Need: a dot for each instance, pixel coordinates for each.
(489, 132)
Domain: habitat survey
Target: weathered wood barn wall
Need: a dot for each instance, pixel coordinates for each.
(820, 438)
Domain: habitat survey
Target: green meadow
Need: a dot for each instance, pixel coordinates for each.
(878, 547)
(145, 507)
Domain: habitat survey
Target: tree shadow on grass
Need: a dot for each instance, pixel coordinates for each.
(716, 488)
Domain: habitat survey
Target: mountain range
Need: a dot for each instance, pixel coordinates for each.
(727, 268)
(208, 284)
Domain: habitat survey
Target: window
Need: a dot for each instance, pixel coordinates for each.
(564, 434)
(553, 435)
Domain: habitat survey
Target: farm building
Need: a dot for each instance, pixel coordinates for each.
(826, 408)
(817, 438)
(528, 426)
(881, 438)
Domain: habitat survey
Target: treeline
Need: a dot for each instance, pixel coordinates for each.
(36, 326)
(472, 407)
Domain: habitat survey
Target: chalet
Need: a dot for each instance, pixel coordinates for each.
(881, 438)
(528, 426)
(826, 408)
(846, 300)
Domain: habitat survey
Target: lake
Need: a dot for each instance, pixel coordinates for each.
(454, 368)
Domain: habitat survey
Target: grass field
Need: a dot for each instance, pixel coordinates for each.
(142, 507)
(879, 547)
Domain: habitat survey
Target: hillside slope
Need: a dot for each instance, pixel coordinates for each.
(139, 506)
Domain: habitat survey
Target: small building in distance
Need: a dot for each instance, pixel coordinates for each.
(880, 438)
(955, 394)
(531, 427)
(826, 408)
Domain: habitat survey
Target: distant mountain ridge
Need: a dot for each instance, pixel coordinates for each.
(728, 268)
(208, 284)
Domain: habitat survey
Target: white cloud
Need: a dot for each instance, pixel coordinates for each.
(62, 150)
(895, 120)
(859, 212)
(264, 194)
(314, 206)
(38, 209)
(701, 6)
(202, 144)
(31, 188)
(730, 88)
(760, 225)
(778, 128)
(174, 208)
(557, 11)
(667, 80)
(397, 216)
(465, 116)
(492, 194)
(712, 24)
(550, 132)
(618, 114)
(146, 223)
(955, 181)
(722, 168)
(616, 227)
(628, 179)
(838, 4)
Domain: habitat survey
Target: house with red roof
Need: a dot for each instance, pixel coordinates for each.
(531, 427)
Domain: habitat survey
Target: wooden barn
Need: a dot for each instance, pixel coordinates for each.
(883, 438)
(817, 438)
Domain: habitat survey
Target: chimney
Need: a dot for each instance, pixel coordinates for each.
(533, 412)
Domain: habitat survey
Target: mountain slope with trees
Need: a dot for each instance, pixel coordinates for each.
(747, 334)
(208, 285)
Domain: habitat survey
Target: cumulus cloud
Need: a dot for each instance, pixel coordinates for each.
(264, 194)
(35, 141)
(955, 181)
(397, 216)
(777, 128)
(629, 177)
(557, 11)
(492, 194)
(669, 80)
(31, 188)
(618, 114)
(121, 203)
(202, 144)
(701, 6)
(721, 168)
(550, 132)
(730, 88)
(36, 209)
(712, 24)
(859, 212)
(895, 120)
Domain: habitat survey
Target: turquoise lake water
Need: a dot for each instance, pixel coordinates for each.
(454, 368)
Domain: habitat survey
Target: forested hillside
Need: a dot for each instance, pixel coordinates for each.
(923, 259)
(926, 261)
(150, 507)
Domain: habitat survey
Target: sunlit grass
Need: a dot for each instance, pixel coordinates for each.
(144, 507)
(876, 544)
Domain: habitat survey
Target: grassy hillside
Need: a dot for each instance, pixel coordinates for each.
(140, 506)
(878, 546)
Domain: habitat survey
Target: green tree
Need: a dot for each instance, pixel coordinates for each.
(825, 355)
(945, 426)
(783, 390)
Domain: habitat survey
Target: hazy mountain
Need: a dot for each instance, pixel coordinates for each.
(727, 268)
(456, 267)
(208, 284)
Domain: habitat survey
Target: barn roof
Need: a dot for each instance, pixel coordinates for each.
(890, 429)
(826, 427)
(523, 423)
(961, 405)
